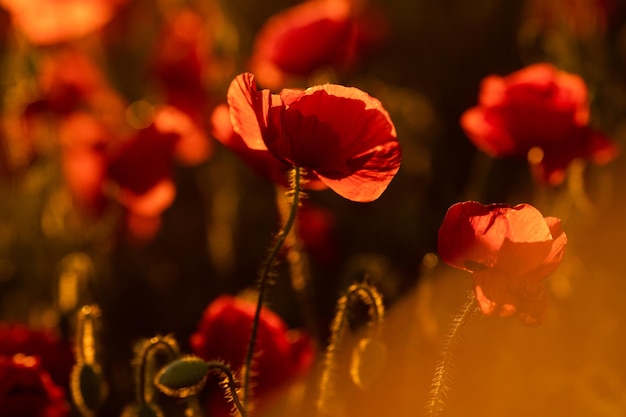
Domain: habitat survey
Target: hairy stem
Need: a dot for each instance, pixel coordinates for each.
(145, 353)
(232, 386)
(264, 279)
(369, 296)
(441, 378)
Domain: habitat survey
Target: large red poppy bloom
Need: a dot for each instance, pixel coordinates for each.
(509, 251)
(537, 107)
(340, 134)
(224, 333)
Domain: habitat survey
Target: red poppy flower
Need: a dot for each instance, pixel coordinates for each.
(302, 39)
(46, 22)
(537, 107)
(340, 134)
(581, 18)
(54, 355)
(315, 229)
(313, 35)
(26, 390)
(180, 63)
(141, 169)
(67, 82)
(509, 251)
(224, 333)
(84, 160)
(182, 54)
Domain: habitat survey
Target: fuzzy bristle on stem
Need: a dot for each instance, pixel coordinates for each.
(368, 295)
(266, 274)
(443, 372)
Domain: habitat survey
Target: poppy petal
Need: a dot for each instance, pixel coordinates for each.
(499, 295)
(369, 182)
(527, 241)
(486, 132)
(557, 251)
(243, 99)
(470, 236)
(341, 133)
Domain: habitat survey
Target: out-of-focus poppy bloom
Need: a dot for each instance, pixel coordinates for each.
(26, 389)
(47, 22)
(580, 18)
(141, 169)
(509, 251)
(84, 160)
(340, 134)
(180, 64)
(224, 333)
(135, 171)
(537, 108)
(193, 146)
(69, 80)
(315, 228)
(182, 55)
(54, 355)
(313, 35)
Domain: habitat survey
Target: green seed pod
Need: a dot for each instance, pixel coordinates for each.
(182, 377)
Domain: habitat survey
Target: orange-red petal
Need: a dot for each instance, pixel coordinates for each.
(343, 135)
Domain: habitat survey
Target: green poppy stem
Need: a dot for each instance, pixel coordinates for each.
(265, 275)
(442, 376)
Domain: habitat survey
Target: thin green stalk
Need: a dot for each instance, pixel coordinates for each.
(264, 278)
(442, 375)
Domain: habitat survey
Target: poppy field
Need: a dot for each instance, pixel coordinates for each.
(325, 208)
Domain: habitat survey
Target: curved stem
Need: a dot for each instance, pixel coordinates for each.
(442, 375)
(370, 296)
(231, 385)
(144, 355)
(85, 334)
(264, 278)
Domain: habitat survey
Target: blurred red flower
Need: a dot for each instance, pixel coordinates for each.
(315, 229)
(509, 251)
(26, 389)
(141, 168)
(224, 333)
(356, 155)
(180, 63)
(538, 107)
(46, 22)
(313, 35)
(136, 171)
(54, 355)
(581, 18)
(109, 149)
